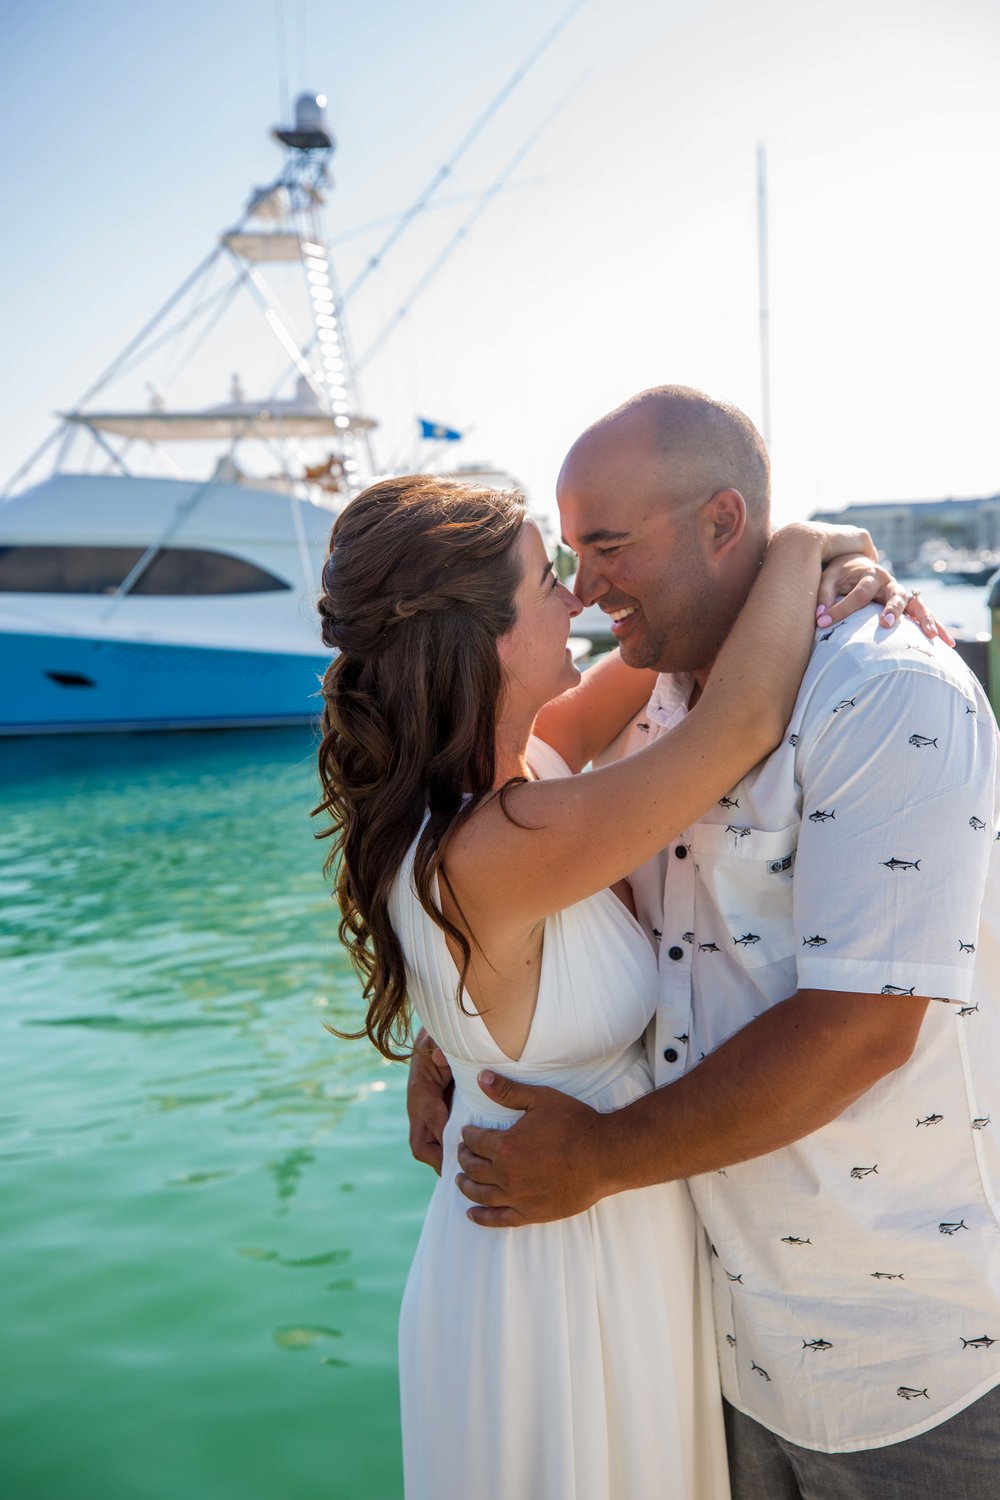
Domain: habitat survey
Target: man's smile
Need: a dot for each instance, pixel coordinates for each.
(619, 616)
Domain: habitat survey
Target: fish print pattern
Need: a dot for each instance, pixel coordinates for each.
(825, 825)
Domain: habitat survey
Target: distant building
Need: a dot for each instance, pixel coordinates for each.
(901, 527)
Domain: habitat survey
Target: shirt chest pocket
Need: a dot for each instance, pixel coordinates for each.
(744, 878)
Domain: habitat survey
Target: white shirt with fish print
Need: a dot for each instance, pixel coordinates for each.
(857, 1272)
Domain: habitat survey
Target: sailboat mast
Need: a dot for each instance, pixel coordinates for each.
(762, 297)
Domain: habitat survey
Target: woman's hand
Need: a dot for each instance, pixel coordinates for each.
(850, 582)
(834, 541)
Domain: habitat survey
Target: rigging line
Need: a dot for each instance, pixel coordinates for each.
(281, 50)
(463, 229)
(177, 328)
(420, 204)
(285, 332)
(449, 202)
(213, 322)
(443, 172)
(145, 331)
(112, 370)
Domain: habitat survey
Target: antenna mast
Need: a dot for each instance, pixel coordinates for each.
(762, 297)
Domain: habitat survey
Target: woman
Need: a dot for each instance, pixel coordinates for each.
(482, 887)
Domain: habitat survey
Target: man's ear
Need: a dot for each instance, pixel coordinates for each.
(724, 519)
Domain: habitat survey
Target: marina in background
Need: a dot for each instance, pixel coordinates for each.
(132, 600)
(958, 540)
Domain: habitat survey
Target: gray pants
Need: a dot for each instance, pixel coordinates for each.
(957, 1460)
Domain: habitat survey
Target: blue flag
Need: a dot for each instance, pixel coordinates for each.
(435, 432)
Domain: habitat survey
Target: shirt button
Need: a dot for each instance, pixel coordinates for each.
(681, 852)
(670, 1054)
(675, 952)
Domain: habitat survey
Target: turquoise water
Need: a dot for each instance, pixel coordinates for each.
(207, 1201)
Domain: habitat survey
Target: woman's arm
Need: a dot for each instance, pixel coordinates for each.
(574, 836)
(583, 720)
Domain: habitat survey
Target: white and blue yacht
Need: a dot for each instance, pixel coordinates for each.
(139, 600)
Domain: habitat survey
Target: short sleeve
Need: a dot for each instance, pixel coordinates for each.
(898, 821)
(545, 762)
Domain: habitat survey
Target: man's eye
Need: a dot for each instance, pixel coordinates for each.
(608, 551)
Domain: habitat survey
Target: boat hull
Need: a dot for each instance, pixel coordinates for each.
(70, 684)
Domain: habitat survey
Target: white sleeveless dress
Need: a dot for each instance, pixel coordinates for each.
(565, 1361)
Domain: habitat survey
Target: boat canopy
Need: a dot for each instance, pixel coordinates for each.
(275, 421)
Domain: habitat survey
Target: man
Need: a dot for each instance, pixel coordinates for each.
(826, 940)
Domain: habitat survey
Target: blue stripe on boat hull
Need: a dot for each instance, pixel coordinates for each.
(115, 685)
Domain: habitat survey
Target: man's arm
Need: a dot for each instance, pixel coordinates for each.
(788, 1073)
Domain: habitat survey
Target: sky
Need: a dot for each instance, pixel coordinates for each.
(623, 253)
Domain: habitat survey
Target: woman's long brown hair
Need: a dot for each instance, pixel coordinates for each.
(418, 587)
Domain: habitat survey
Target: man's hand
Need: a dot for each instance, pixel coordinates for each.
(546, 1166)
(428, 1100)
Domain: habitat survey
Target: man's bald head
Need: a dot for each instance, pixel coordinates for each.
(666, 501)
(697, 444)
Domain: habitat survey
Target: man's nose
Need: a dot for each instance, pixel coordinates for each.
(572, 603)
(588, 586)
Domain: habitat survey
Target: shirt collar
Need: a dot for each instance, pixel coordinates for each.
(670, 698)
